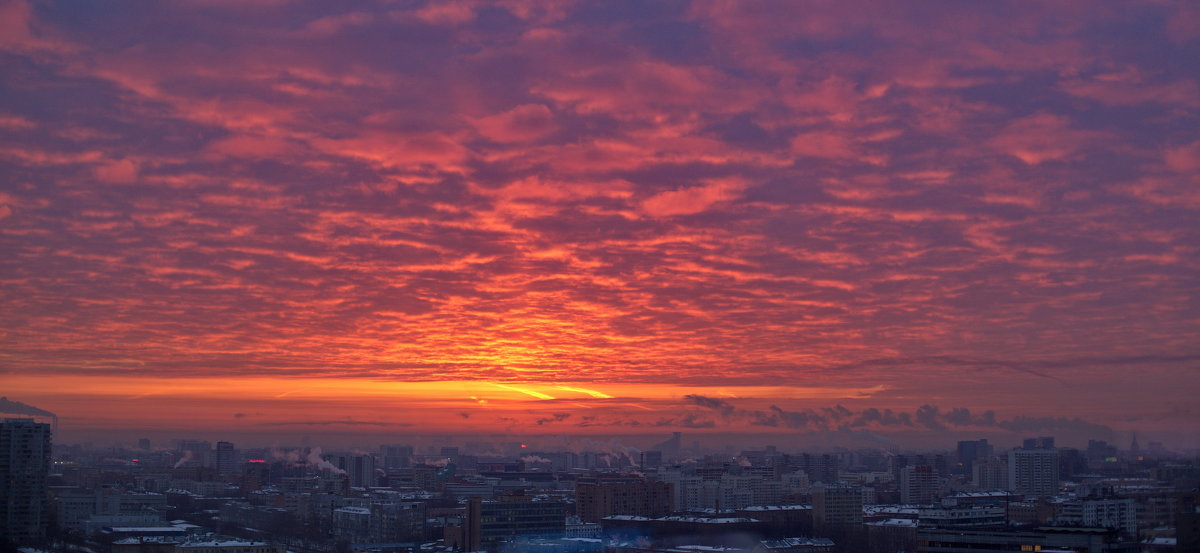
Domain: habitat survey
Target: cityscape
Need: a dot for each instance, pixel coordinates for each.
(599, 276)
(196, 496)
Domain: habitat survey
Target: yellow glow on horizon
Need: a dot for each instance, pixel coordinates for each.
(262, 387)
(593, 393)
(526, 391)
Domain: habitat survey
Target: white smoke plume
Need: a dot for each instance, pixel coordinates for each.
(187, 456)
(291, 456)
(314, 459)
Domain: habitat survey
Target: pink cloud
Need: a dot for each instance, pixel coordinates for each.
(1184, 159)
(688, 201)
(519, 124)
(1042, 137)
(123, 171)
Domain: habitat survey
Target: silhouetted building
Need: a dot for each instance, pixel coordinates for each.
(918, 484)
(1044, 442)
(396, 456)
(229, 546)
(891, 535)
(24, 464)
(603, 495)
(795, 545)
(490, 523)
(1187, 521)
(672, 447)
(969, 451)
(837, 508)
(819, 468)
(676, 530)
(1075, 540)
(226, 458)
(360, 469)
(781, 521)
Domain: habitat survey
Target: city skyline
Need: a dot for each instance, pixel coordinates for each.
(880, 224)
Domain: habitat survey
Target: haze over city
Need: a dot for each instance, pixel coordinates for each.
(828, 224)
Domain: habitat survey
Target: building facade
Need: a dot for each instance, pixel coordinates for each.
(603, 495)
(1033, 472)
(24, 465)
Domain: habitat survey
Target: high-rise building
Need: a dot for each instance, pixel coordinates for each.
(918, 484)
(990, 473)
(194, 453)
(24, 464)
(1033, 472)
(837, 514)
(360, 469)
(396, 456)
(969, 451)
(1044, 442)
(819, 468)
(836, 506)
(226, 458)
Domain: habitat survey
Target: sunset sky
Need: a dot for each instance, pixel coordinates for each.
(880, 222)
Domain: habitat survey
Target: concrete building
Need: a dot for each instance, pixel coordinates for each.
(360, 469)
(1033, 472)
(226, 458)
(193, 453)
(795, 545)
(229, 546)
(918, 484)
(1044, 442)
(781, 521)
(990, 474)
(970, 451)
(683, 530)
(24, 465)
(490, 523)
(964, 516)
(603, 495)
(1074, 540)
(891, 535)
(395, 456)
(1187, 521)
(837, 509)
(651, 459)
(87, 510)
(1101, 512)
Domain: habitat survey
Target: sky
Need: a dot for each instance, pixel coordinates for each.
(859, 222)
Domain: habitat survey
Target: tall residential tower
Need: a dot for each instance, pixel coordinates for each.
(24, 464)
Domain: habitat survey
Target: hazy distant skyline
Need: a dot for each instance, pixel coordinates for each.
(873, 219)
